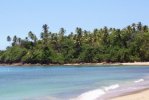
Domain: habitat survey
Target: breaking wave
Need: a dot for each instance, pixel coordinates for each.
(95, 94)
(138, 81)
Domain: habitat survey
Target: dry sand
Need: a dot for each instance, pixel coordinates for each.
(143, 95)
(136, 63)
(104, 63)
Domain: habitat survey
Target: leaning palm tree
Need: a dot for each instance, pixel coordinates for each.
(32, 36)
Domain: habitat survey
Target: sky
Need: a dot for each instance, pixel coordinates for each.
(18, 17)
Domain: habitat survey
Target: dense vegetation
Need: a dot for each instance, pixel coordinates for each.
(102, 45)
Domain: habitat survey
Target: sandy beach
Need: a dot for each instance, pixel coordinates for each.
(137, 63)
(104, 63)
(143, 95)
(82, 64)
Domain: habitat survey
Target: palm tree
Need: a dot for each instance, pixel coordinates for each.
(26, 38)
(145, 28)
(45, 34)
(139, 26)
(8, 38)
(45, 28)
(42, 35)
(105, 36)
(62, 31)
(129, 29)
(79, 34)
(19, 41)
(71, 35)
(134, 27)
(14, 39)
(95, 34)
(32, 36)
(78, 41)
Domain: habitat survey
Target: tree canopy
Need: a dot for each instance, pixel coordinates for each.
(101, 45)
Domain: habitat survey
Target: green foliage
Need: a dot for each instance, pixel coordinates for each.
(13, 54)
(102, 45)
(58, 58)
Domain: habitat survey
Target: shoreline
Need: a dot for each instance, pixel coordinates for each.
(82, 64)
(137, 95)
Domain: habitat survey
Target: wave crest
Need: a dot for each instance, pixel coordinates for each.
(90, 95)
(111, 87)
(138, 81)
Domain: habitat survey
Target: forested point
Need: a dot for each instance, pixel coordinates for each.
(129, 44)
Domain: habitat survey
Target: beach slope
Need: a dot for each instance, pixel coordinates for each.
(143, 95)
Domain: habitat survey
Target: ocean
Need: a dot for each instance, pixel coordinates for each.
(70, 82)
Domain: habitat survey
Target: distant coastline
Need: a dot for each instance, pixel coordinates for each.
(80, 64)
(81, 47)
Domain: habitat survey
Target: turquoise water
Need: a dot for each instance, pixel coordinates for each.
(64, 82)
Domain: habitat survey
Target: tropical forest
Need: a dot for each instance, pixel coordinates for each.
(129, 44)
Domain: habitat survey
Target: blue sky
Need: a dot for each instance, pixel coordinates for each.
(18, 17)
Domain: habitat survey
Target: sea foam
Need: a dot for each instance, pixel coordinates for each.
(111, 87)
(95, 94)
(138, 81)
(90, 95)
